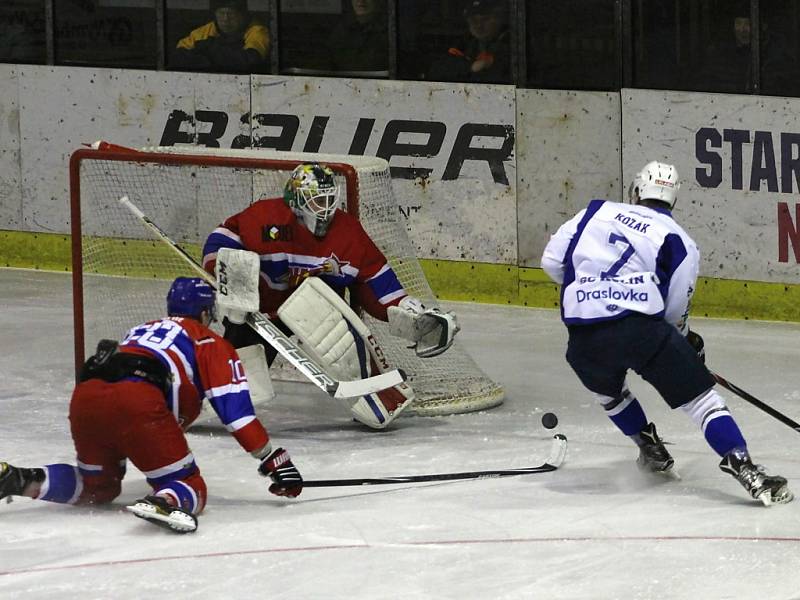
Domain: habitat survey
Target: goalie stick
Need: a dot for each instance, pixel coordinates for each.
(558, 452)
(277, 338)
(756, 402)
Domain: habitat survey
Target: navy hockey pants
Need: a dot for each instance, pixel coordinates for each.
(601, 354)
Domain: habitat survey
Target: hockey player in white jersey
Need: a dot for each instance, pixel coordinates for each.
(627, 275)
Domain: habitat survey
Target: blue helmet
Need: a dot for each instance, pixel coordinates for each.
(189, 297)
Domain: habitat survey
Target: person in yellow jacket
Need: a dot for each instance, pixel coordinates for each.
(234, 42)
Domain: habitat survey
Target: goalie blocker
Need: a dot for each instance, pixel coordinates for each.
(237, 274)
(330, 332)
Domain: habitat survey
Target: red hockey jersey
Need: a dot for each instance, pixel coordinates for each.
(203, 365)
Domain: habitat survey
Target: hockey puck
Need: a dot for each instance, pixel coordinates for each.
(549, 420)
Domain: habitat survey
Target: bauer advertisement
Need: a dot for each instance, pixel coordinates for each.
(451, 150)
(450, 146)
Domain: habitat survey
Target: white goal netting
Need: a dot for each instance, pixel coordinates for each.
(122, 272)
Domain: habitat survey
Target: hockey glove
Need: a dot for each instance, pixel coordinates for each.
(286, 479)
(696, 342)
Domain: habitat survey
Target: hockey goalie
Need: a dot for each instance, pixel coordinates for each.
(292, 258)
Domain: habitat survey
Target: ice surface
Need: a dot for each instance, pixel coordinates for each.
(595, 529)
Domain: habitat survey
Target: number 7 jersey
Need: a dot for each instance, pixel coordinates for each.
(615, 259)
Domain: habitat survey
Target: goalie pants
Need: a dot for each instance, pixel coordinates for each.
(601, 354)
(128, 419)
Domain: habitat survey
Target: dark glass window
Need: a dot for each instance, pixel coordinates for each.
(334, 37)
(112, 33)
(780, 47)
(22, 38)
(660, 53)
(716, 39)
(573, 44)
(224, 36)
(466, 40)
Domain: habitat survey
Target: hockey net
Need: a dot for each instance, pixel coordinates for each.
(121, 271)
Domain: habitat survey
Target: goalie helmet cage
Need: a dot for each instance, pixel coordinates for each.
(121, 271)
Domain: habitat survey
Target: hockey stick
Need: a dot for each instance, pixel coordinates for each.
(558, 452)
(277, 338)
(756, 402)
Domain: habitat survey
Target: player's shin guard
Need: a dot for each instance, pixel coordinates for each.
(708, 411)
(625, 412)
(63, 484)
(183, 489)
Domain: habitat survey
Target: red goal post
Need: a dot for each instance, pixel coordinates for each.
(121, 272)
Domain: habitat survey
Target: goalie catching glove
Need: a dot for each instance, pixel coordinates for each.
(431, 330)
(286, 479)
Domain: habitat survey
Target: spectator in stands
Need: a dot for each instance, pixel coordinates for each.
(780, 72)
(360, 42)
(728, 64)
(233, 41)
(483, 54)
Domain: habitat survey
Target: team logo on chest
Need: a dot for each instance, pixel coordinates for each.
(332, 265)
(276, 233)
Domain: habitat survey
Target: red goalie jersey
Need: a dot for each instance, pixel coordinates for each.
(289, 252)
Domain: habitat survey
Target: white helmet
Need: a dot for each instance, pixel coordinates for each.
(313, 196)
(656, 181)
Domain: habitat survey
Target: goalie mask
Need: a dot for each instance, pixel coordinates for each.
(313, 196)
(189, 297)
(656, 181)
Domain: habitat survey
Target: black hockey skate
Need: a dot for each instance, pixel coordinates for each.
(158, 511)
(653, 456)
(14, 480)
(770, 489)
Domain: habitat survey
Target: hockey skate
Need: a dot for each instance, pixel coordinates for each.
(653, 456)
(14, 480)
(770, 489)
(158, 511)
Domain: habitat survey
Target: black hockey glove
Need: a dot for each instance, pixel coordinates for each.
(286, 479)
(696, 342)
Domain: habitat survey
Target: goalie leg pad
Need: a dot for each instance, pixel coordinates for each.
(255, 366)
(334, 335)
(379, 409)
(237, 274)
(323, 331)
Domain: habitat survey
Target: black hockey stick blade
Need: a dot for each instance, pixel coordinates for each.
(756, 402)
(558, 452)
